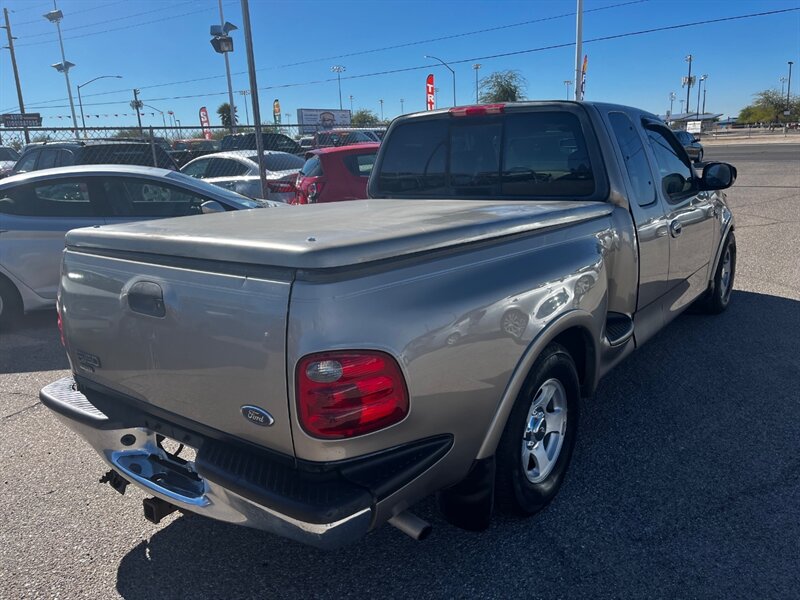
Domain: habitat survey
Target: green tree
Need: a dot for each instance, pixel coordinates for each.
(768, 107)
(364, 118)
(502, 86)
(224, 112)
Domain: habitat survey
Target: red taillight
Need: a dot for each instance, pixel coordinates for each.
(474, 111)
(280, 186)
(349, 393)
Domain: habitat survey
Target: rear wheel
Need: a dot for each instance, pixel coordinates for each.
(537, 443)
(10, 304)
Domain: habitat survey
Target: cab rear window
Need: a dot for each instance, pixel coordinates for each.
(539, 154)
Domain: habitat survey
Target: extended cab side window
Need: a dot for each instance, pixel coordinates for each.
(677, 175)
(635, 158)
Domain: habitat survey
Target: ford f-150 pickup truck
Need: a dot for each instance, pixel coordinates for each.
(317, 372)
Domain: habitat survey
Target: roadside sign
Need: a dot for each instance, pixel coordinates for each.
(786, 113)
(694, 126)
(22, 120)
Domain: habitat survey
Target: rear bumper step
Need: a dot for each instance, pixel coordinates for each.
(327, 505)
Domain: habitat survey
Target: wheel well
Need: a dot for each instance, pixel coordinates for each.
(578, 343)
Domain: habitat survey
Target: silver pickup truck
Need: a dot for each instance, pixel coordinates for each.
(317, 372)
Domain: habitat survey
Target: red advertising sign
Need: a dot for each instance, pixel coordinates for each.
(430, 93)
(205, 123)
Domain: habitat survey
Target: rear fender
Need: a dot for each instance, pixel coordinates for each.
(575, 318)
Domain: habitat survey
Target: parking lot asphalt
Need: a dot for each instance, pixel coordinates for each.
(685, 481)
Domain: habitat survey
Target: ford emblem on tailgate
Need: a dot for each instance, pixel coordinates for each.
(257, 415)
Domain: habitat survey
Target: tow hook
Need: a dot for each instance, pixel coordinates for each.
(156, 509)
(115, 480)
(411, 525)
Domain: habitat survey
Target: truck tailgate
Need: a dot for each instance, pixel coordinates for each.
(197, 343)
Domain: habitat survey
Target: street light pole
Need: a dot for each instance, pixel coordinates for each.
(224, 30)
(55, 16)
(451, 71)
(245, 93)
(402, 110)
(783, 85)
(338, 69)
(672, 97)
(351, 103)
(381, 101)
(80, 102)
(699, 85)
(476, 66)
(567, 83)
(789, 86)
(158, 111)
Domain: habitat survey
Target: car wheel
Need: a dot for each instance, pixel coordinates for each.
(514, 323)
(718, 297)
(536, 445)
(10, 304)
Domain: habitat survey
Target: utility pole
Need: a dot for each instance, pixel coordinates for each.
(402, 110)
(251, 69)
(789, 86)
(381, 101)
(567, 83)
(16, 72)
(246, 93)
(688, 81)
(578, 48)
(351, 103)
(705, 89)
(476, 66)
(136, 105)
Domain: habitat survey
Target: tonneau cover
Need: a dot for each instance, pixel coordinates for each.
(333, 235)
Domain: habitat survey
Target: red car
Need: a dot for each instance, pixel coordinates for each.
(335, 174)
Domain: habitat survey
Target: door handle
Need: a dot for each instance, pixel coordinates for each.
(675, 228)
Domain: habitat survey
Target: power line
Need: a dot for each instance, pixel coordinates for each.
(477, 58)
(361, 52)
(141, 24)
(65, 29)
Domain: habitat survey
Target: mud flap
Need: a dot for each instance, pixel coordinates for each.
(469, 503)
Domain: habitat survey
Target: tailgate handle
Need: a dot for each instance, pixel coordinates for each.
(147, 298)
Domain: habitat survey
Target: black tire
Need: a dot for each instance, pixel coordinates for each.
(10, 304)
(514, 491)
(718, 297)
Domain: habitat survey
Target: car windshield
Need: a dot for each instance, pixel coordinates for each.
(526, 155)
(8, 154)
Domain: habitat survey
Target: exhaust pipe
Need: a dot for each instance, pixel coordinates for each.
(411, 525)
(156, 509)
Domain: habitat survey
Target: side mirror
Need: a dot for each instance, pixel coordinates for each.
(718, 176)
(211, 206)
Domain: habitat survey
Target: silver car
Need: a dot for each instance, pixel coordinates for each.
(38, 208)
(237, 170)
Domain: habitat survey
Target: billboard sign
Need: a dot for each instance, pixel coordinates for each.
(205, 123)
(22, 120)
(430, 93)
(312, 120)
(694, 126)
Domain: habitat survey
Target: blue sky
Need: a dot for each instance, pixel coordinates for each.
(155, 43)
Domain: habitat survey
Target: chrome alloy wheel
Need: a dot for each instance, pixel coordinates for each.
(544, 432)
(725, 275)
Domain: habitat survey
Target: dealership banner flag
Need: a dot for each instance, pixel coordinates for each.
(276, 111)
(430, 92)
(583, 74)
(205, 123)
